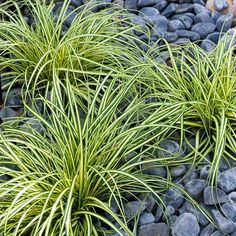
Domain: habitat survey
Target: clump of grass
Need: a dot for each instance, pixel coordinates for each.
(64, 177)
(203, 85)
(94, 45)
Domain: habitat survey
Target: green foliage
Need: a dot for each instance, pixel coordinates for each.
(203, 85)
(65, 176)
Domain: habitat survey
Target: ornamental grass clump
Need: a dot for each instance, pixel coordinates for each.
(203, 85)
(36, 52)
(61, 181)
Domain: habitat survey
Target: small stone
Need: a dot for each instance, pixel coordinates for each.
(7, 112)
(208, 230)
(195, 188)
(228, 40)
(154, 230)
(214, 195)
(176, 25)
(139, 22)
(14, 98)
(169, 211)
(190, 176)
(134, 208)
(207, 45)
(224, 22)
(204, 172)
(185, 224)
(186, 7)
(221, 4)
(203, 29)
(198, 8)
(214, 37)
(201, 2)
(193, 36)
(229, 210)
(224, 225)
(170, 148)
(158, 214)
(131, 5)
(186, 20)
(227, 180)
(169, 10)
(170, 37)
(147, 3)
(150, 202)
(217, 233)
(161, 5)
(177, 171)
(226, 163)
(149, 14)
(215, 16)
(146, 218)
(70, 18)
(151, 169)
(203, 18)
(174, 197)
(181, 41)
(160, 28)
(232, 197)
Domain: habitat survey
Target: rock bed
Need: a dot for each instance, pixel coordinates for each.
(177, 21)
(181, 217)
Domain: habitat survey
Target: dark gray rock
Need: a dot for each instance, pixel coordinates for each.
(203, 18)
(185, 7)
(182, 41)
(193, 36)
(224, 225)
(70, 16)
(149, 14)
(14, 98)
(190, 175)
(198, 8)
(150, 202)
(169, 211)
(224, 22)
(140, 23)
(131, 5)
(147, 3)
(215, 16)
(186, 20)
(169, 10)
(185, 224)
(170, 37)
(159, 213)
(207, 45)
(195, 188)
(229, 210)
(170, 148)
(203, 29)
(213, 195)
(201, 2)
(76, 3)
(174, 197)
(214, 37)
(151, 169)
(160, 28)
(232, 197)
(228, 40)
(217, 233)
(204, 172)
(176, 25)
(179, 170)
(146, 218)
(171, 220)
(133, 209)
(161, 5)
(226, 163)
(227, 180)
(220, 4)
(7, 112)
(154, 230)
(233, 234)
(190, 208)
(208, 230)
